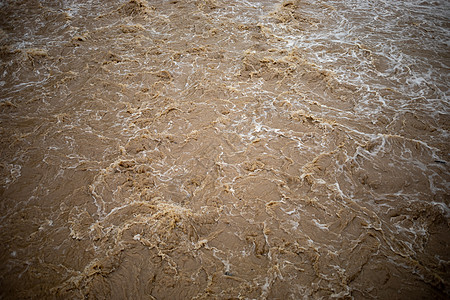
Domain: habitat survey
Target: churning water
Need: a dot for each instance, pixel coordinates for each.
(215, 149)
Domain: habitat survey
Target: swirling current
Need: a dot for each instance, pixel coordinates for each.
(224, 149)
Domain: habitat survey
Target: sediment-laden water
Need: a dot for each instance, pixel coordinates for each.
(215, 149)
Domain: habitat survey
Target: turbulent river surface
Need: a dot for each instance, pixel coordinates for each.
(224, 149)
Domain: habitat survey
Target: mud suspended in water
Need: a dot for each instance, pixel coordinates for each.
(221, 149)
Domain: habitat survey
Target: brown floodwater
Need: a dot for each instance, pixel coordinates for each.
(213, 149)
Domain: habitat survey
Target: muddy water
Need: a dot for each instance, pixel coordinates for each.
(218, 149)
